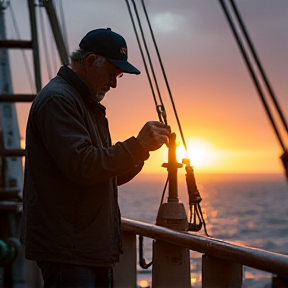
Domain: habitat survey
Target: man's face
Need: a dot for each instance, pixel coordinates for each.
(102, 77)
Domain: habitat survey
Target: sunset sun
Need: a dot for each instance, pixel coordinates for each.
(200, 152)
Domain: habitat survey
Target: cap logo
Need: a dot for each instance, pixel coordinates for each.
(123, 50)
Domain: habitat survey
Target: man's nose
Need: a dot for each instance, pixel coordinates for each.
(113, 82)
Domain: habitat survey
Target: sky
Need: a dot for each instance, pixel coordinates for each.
(223, 120)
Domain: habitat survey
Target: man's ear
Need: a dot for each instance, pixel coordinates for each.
(89, 61)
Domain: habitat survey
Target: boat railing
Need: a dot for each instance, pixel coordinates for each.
(222, 261)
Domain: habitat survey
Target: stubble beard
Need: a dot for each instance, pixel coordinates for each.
(98, 96)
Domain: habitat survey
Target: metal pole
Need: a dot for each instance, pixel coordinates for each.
(36, 54)
(62, 49)
(172, 167)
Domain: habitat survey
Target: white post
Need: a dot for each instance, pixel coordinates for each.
(219, 273)
(125, 274)
(171, 266)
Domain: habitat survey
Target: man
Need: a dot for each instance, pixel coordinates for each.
(71, 221)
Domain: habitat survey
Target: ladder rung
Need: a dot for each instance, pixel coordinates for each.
(17, 97)
(12, 153)
(10, 195)
(16, 44)
(9, 190)
(10, 206)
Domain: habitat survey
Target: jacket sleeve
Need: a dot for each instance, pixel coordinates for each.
(129, 175)
(63, 131)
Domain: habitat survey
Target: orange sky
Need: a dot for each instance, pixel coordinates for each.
(222, 118)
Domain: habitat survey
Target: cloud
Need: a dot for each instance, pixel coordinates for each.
(167, 22)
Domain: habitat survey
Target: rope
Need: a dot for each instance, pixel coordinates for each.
(45, 45)
(142, 261)
(252, 73)
(159, 108)
(163, 193)
(164, 75)
(257, 61)
(63, 26)
(52, 47)
(147, 52)
(142, 55)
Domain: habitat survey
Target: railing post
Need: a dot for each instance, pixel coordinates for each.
(171, 266)
(125, 270)
(219, 273)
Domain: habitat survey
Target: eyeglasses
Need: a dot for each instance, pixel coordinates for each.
(116, 75)
(113, 71)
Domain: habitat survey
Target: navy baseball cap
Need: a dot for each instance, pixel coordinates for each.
(111, 45)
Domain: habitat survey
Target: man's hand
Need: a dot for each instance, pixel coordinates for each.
(153, 135)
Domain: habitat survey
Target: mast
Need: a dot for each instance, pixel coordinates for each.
(11, 173)
(11, 170)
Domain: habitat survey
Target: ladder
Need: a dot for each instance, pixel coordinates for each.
(11, 153)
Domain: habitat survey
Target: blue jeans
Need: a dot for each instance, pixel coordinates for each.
(63, 275)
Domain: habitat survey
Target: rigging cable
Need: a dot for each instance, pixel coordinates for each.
(257, 61)
(284, 157)
(52, 55)
(164, 75)
(159, 108)
(162, 118)
(63, 25)
(52, 47)
(45, 45)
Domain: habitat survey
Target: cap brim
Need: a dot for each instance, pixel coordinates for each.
(125, 66)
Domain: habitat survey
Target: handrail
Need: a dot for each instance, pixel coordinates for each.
(253, 257)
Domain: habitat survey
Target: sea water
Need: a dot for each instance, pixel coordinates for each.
(244, 209)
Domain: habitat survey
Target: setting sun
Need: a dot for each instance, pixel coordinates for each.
(200, 152)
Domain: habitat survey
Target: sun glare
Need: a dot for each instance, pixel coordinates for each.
(200, 152)
(210, 157)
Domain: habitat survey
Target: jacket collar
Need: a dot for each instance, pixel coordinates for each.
(70, 76)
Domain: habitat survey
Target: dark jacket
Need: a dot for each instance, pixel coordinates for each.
(70, 206)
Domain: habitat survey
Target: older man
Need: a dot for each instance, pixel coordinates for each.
(71, 221)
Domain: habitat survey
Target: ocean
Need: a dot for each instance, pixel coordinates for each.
(249, 209)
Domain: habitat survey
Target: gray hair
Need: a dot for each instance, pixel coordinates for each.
(79, 55)
(99, 61)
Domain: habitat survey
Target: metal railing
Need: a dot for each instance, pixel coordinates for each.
(223, 256)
